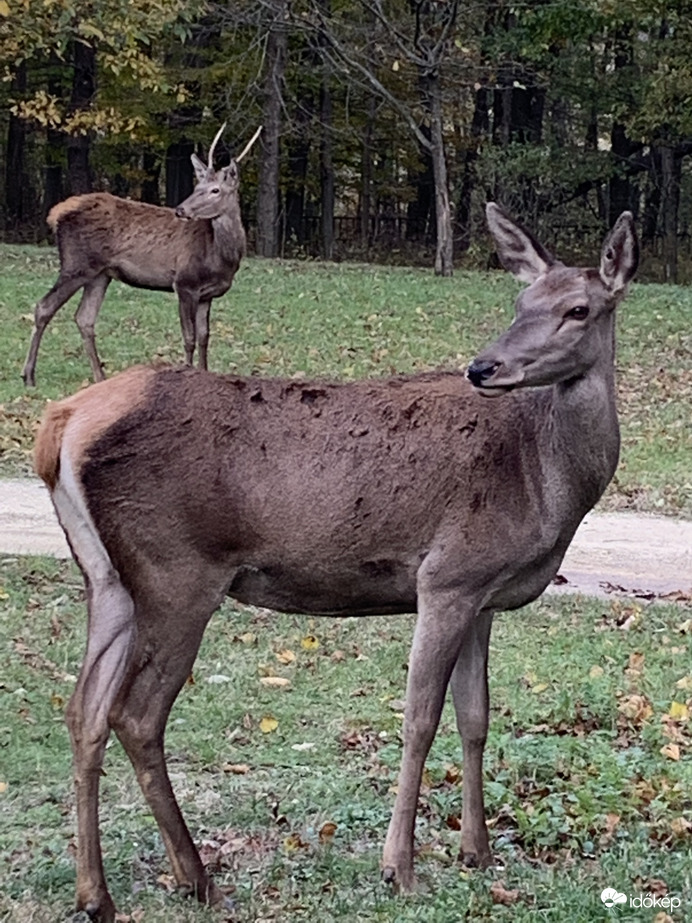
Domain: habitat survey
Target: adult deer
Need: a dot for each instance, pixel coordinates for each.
(102, 237)
(176, 487)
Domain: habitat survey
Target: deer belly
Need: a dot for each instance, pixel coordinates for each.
(143, 274)
(373, 587)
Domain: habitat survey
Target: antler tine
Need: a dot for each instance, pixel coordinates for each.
(249, 144)
(210, 159)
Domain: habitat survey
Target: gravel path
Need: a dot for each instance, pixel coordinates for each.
(612, 553)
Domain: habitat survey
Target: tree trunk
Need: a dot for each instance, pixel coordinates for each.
(179, 177)
(671, 168)
(366, 177)
(15, 168)
(420, 209)
(326, 172)
(479, 127)
(83, 90)
(268, 189)
(297, 168)
(150, 184)
(444, 252)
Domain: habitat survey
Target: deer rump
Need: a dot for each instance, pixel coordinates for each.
(300, 487)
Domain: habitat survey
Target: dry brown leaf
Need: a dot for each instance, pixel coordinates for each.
(279, 682)
(672, 751)
(680, 826)
(327, 831)
(636, 708)
(286, 656)
(236, 769)
(500, 894)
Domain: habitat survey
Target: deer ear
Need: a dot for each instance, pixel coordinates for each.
(519, 251)
(230, 173)
(620, 254)
(199, 168)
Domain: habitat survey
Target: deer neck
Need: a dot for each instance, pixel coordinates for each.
(583, 426)
(229, 236)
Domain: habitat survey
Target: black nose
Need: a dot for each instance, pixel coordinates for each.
(481, 370)
(179, 212)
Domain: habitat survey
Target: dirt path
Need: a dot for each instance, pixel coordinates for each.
(612, 553)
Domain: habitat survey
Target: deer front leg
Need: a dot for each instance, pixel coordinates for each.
(443, 621)
(202, 331)
(187, 310)
(469, 686)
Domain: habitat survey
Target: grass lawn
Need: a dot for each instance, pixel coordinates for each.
(346, 321)
(588, 766)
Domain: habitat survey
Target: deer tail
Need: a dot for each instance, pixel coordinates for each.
(49, 441)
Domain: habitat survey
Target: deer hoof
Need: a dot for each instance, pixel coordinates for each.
(96, 910)
(473, 860)
(400, 883)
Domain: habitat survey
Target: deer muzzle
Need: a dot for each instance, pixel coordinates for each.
(480, 371)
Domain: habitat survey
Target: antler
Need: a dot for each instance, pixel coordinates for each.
(210, 159)
(249, 144)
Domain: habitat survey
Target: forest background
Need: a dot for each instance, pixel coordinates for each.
(387, 125)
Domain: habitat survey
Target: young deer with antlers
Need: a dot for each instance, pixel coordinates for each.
(102, 237)
(176, 487)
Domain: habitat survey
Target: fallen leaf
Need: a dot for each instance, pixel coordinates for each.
(679, 711)
(636, 662)
(248, 638)
(635, 707)
(538, 688)
(57, 701)
(685, 627)
(500, 894)
(685, 683)
(309, 643)
(303, 746)
(236, 769)
(680, 826)
(217, 678)
(327, 831)
(293, 842)
(3, 787)
(268, 724)
(286, 656)
(596, 671)
(279, 682)
(672, 751)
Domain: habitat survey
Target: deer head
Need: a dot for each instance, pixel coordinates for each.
(564, 320)
(214, 187)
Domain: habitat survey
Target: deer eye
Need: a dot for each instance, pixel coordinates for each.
(579, 312)
(215, 190)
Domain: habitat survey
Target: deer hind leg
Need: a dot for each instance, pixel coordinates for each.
(469, 686)
(45, 310)
(87, 312)
(202, 332)
(443, 620)
(169, 634)
(109, 643)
